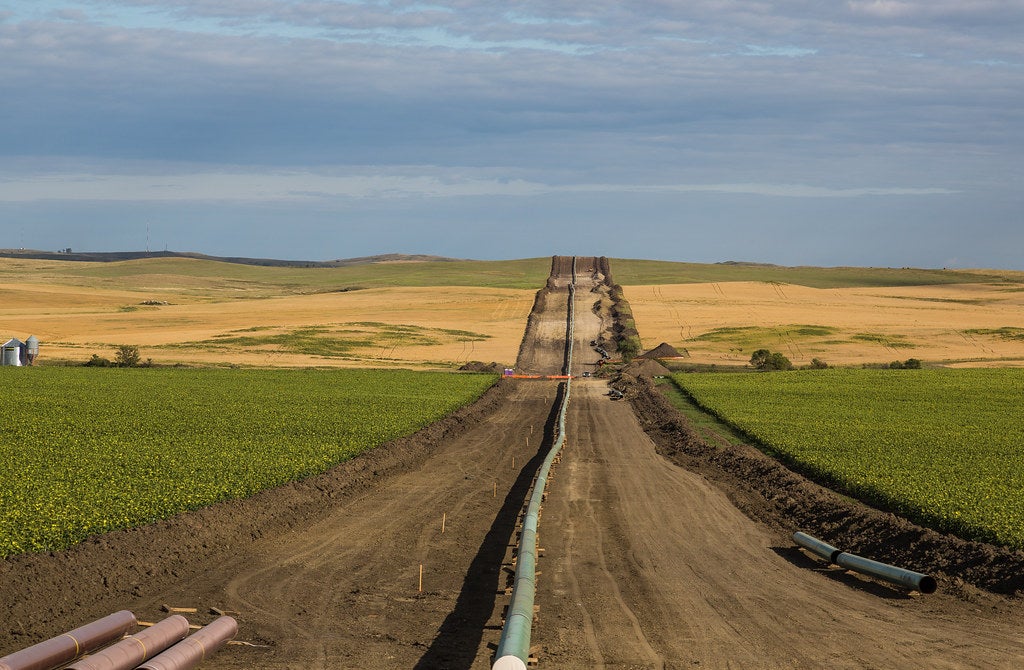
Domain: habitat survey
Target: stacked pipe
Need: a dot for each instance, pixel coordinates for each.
(915, 581)
(65, 648)
(162, 646)
(514, 646)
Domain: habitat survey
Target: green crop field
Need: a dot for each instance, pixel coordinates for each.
(944, 448)
(86, 451)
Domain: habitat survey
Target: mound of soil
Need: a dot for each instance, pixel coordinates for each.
(646, 368)
(663, 350)
(769, 492)
(480, 366)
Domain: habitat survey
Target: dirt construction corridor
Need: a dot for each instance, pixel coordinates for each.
(645, 564)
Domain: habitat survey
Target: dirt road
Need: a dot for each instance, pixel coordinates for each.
(647, 565)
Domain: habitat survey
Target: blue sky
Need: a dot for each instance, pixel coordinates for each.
(863, 132)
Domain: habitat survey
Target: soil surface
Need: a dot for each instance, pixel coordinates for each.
(649, 561)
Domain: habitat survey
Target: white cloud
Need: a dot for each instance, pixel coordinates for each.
(410, 182)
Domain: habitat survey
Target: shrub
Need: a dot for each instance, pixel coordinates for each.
(97, 362)
(127, 356)
(762, 359)
(909, 364)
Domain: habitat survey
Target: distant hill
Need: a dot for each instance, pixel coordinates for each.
(114, 256)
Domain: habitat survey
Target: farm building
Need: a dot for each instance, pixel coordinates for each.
(16, 352)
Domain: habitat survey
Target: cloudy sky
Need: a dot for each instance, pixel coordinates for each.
(858, 132)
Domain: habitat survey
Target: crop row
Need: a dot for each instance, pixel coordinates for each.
(942, 447)
(91, 450)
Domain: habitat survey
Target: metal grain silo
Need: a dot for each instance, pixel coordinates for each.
(31, 350)
(11, 354)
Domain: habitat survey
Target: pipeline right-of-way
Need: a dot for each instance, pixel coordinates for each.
(514, 646)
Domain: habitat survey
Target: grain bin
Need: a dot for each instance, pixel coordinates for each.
(31, 350)
(12, 352)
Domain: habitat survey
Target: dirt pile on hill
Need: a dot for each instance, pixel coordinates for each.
(663, 350)
(480, 366)
(646, 368)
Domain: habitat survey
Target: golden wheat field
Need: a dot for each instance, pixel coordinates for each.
(201, 312)
(211, 322)
(725, 322)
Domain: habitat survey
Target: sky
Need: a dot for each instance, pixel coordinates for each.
(883, 133)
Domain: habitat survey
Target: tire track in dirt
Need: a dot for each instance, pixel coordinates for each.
(709, 587)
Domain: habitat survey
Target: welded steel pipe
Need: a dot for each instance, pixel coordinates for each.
(513, 652)
(915, 581)
(191, 651)
(900, 576)
(135, 649)
(816, 546)
(65, 648)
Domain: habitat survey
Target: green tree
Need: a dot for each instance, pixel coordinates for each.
(762, 359)
(778, 362)
(127, 356)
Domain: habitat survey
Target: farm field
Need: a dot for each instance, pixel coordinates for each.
(941, 447)
(210, 313)
(723, 323)
(441, 314)
(92, 450)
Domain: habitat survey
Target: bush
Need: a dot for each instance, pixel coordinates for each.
(909, 364)
(127, 356)
(97, 362)
(629, 347)
(818, 364)
(762, 359)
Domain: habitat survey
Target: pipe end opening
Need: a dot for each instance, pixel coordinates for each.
(927, 585)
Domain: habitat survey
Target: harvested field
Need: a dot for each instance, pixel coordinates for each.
(387, 327)
(724, 323)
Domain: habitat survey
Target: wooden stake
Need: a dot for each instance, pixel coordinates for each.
(513, 462)
(495, 494)
(444, 518)
(421, 578)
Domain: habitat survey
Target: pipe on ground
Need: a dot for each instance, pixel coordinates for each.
(816, 546)
(513, 652)
(136, 649)
(909, 579)
(191, 651)
(65, 648)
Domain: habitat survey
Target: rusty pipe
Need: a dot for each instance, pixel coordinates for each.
(65, 648)
(191, 651)
(135, 649)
